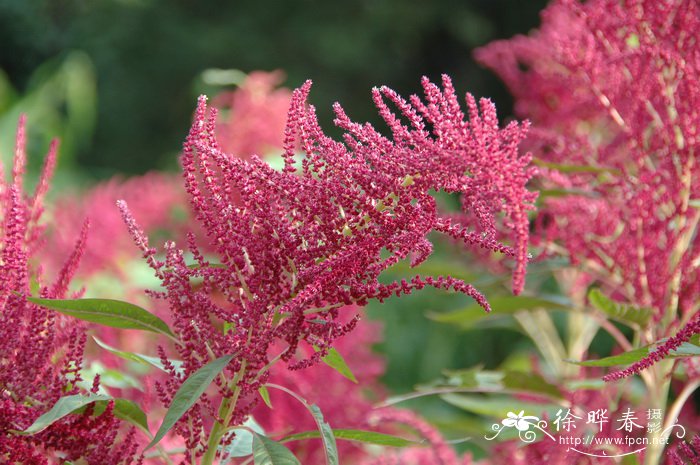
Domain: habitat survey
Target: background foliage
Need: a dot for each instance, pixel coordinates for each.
(145, 58)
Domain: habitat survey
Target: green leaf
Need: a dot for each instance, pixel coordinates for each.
(490, 381)
(686, 349)
(329, 445)
(589, 384)
(356, 435)
(139, 358)
(108, 378)
(268, 452)
(65, 406)
(187, 395)
(242, 443)
(336, 361)
(501, 306)
(107, 312)
(562, 168)
(265, 394)
(530, 382)
(498, 406)
(326, 435)
(625, 358)
(126, 410)
(547, 193)
(625, 313)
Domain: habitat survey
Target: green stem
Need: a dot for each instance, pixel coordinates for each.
(226, 409)
(659, 397)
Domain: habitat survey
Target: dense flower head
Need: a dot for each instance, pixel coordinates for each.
(295, 247)
(611, 88)
(41, 353)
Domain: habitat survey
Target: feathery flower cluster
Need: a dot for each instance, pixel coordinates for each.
(686, 454)
(41, 353)
(612, 88)
(298, 245)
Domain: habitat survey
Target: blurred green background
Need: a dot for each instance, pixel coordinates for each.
(117, 79)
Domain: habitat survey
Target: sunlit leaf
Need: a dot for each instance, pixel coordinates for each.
(366, 437)
(107, 312)
(336, 361)
(63, 407)
(265, 395)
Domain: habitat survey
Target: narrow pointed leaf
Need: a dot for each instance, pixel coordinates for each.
(497, 406)
(107, 312)
(337, 362)
(65, 406)
(628, 314)
(686, 349)
(490, 381)
(625, 358)
(356, 435)
(139, 358)
(124, 409)
(501, 306)
(329, 445)
(268, 452)
(265, 394)
(187, 395)
(563, 168)
(130, 411)
(327, 436)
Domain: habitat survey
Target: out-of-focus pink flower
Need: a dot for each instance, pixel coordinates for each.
(158, 200)
(612, 88)
(435, 452)
(252, 118)
(111, 267)
(42, 352)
